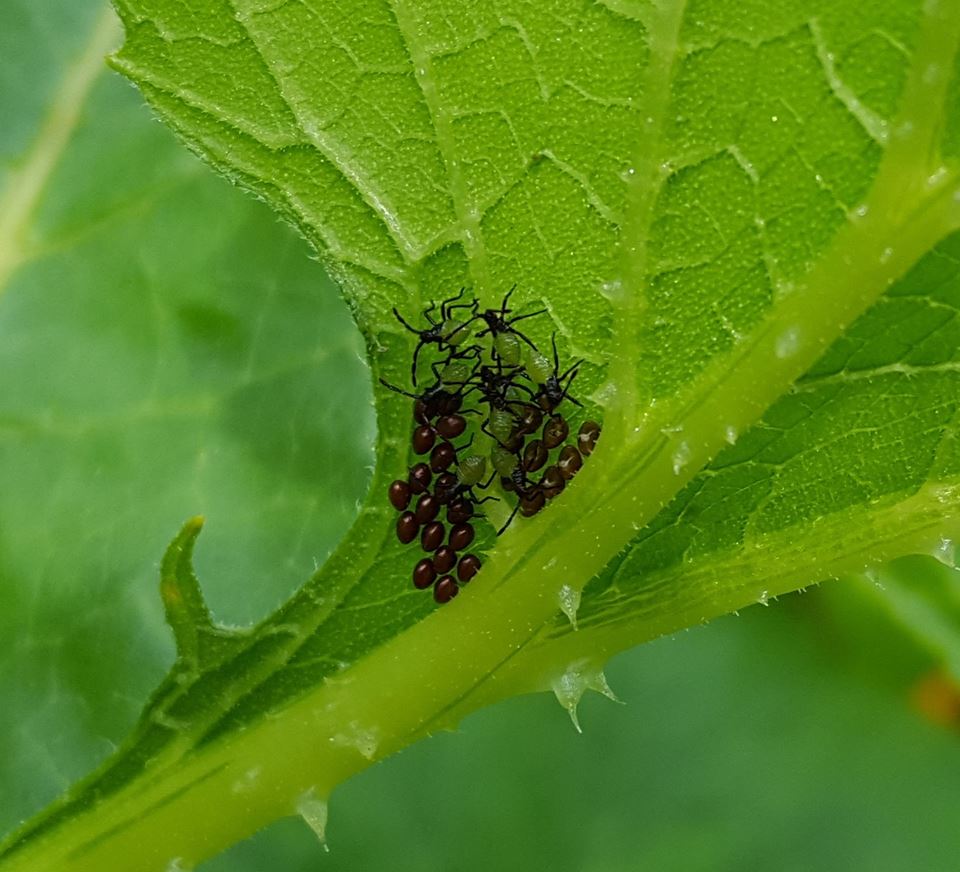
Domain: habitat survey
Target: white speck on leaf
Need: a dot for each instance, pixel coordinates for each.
(946, 552)
(681, 457)
(788, 343)
(569, 599)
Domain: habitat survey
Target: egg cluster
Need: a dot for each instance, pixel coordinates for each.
(521, 395)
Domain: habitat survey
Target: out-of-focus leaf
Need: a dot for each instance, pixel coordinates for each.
(166, 348)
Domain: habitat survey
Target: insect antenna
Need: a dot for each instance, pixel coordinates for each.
(397, 390)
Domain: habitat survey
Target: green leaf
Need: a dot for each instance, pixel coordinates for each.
(741, 220)
(931, 614)
(910, 605)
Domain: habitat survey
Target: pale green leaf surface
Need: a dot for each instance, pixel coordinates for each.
(703, 197)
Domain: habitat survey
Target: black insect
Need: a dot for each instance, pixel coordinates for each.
(424, 574)
(423, 438)
(461, 536)
(555, 431)
(499, 325)
(432, 403)
(445, 332)
(468, 567)
(451, 426)
(528, 420)
(569, 462)
(520, 482)
(444, 559)
(427, 508)
(443, 457)
(446, 488)
(431, 538)
(455, 494)
(399, 494)
(460, 510)
(553, 482)
(419, 478)
(553, 386)
(531, 497)
(535, 455)
(436, 412)
(407, 527)
(500, 387)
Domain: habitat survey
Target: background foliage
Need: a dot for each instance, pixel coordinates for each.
(168, 348)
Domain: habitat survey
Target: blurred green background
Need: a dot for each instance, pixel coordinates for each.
(167, 348)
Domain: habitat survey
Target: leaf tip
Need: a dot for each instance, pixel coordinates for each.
(180, 590)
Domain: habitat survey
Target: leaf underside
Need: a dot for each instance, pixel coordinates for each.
(743, 218)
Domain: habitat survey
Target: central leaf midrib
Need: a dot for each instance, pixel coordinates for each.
(909, 525)
(645, 180)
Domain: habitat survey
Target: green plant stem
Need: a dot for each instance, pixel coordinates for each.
(757, 573)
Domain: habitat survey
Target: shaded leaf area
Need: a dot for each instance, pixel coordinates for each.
(167, 349)
(911, 609)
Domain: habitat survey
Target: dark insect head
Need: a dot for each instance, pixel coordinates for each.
(553, 386)
(499, 324)
(447, 332)
(499, 386)
(435, 402)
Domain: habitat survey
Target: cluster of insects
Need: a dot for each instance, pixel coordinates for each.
(520, 393)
